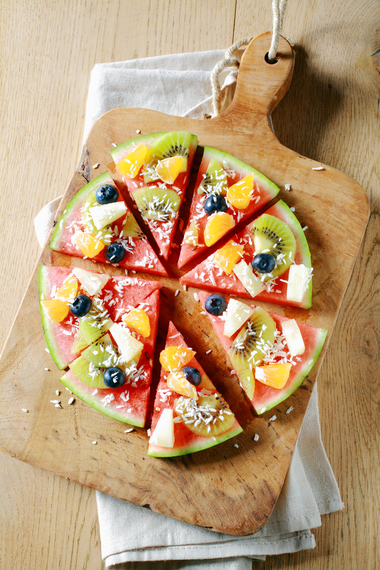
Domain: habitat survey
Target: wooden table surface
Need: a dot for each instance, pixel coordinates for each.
(330, 114)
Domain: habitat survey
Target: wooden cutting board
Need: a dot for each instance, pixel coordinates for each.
(227, 489)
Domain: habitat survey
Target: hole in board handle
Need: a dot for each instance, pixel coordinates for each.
(266, 57)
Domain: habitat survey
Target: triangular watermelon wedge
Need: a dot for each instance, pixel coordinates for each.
(159, 201)
(266, 397)
(209, 275)
(193, 426)
(218, 173)
(76, 224)
(129, 402)
(118, 294)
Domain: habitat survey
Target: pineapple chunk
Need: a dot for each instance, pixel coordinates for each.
(169, 168)
(163, 434)
(236, 315)
(105, 214)
(129, 346)
(244, 273)
(191, 236)
(92, 282)
(298, 281)
(293, 337)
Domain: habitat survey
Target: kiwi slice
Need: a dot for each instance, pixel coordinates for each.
(79, 343)
(87, 373)
(131, 228)
(94, 325)
(157, 203)
(271, 235)
(105, 234)
(208, 416)
(215, 180)
(175, 143)
(250, 346)
(102, 353)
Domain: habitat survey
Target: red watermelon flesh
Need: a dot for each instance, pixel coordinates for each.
(265, 397)
(208, 275)
(140, 255)
(185, 441)
(119, 293)
(263, 192)
(163, 232)
(128, 403)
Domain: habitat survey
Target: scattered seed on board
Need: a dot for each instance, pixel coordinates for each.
(138, 132)
(58, 406)
(256, 437)
(47, 369)
(289, 410)
(236, 445)
(25, 410)
(208, 351)
(94, 442)
(71, 401)
(287, 187)
(128, 430)
(96, 165)
(318, 168)
(57, 392)
(273, 418)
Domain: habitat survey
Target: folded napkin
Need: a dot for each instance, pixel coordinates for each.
(135, 537)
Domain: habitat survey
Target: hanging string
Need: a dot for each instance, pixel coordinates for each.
(278, 9)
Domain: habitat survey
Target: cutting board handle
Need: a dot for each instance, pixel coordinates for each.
(261, 85)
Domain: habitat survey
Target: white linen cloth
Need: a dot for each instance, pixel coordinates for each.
(136, 537)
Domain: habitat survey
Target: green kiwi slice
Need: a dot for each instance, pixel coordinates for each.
(271, 235)
(79, 343)
(250, 346)
(105, 234)
(87, 373)
(102, 353)
(157, 203)
(131, 228)
(208, 416)
(176, 143)
(215, 179)
(94, 325)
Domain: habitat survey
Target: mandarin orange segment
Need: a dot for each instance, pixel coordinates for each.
(67, 292)
(88, 244)
(175, 357)
(56, 310)
(131, 164)
(169, 168)
(177, 382)
(239, 195)
(273, 375)
(228, 256)
(217, 226)
(138, 320)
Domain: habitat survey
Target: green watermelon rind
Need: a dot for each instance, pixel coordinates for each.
(93, 400)
(303, 372)
(156, 451)
(122, 149)
(242, 168)
(104, 178)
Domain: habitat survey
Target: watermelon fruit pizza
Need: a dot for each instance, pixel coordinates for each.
(269, 260)
(79, 306)
(270, 354)
(97, 224)
(189, 413)
(227, 191)
(156, 169)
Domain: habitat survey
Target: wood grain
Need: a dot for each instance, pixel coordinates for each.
(330, 114)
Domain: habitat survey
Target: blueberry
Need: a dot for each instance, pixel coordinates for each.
(106, 194)
(80, 306)
(114, 377)
(115, 252)
(215, 203)
(192, 375)
(215, 304)
(263, 262)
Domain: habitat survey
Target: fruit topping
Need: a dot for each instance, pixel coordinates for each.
(55, 309)
(170, 144)
(105, 214)
(93, 283)
(207, 416)
(138, 320)
(157, 203)
(115, 252)
(131, 228)
(239, 195)
(68, 290)
(81, 306)
(293, 337)
(106, 194)
(298, 282)
(87, 373)
(192, 375)
(215, 179)
(217, 226)
(175, 357)
(88, 244)
(129, 346)
(236, 315)
(215, 304)
(263, 263)
(244, 273)
(227, 256)
(273, 375)
(272, 235)
(114, 377)
(215, 203)
(169, 168)
(102, 353)
(95, 324)
(131, 164)
(191, 236)
(177, 382)
(163, 434)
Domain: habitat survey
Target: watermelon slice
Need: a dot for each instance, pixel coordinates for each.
(196, 430)
(209, 275)
(245, 191)
(117, 295)
(158, 199)
(266, 397)
(129, 402)
(76, 220)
